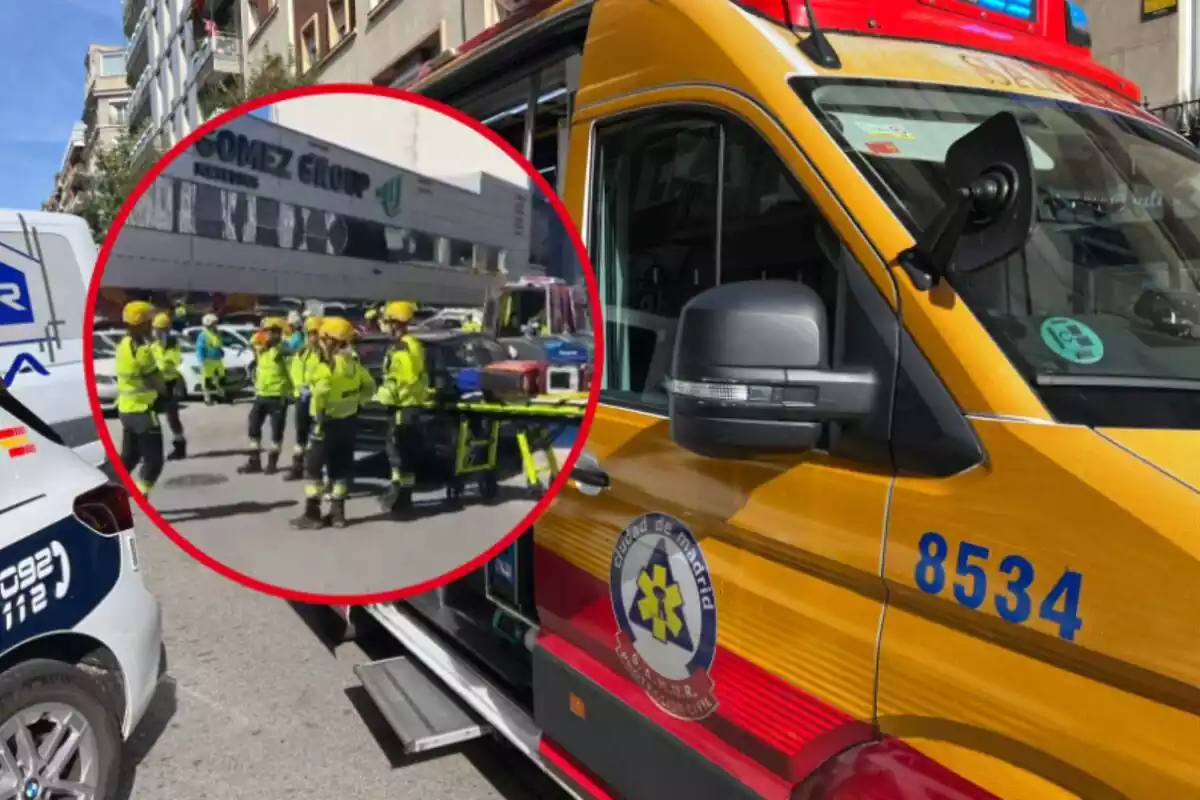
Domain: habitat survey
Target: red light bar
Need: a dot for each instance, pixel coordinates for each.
(1040, 37)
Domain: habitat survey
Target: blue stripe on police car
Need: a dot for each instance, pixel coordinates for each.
(52, 579)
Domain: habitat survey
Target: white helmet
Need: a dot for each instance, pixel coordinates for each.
(294, 318)
(208, 320)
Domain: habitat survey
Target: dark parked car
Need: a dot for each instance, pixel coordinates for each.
(446, 353)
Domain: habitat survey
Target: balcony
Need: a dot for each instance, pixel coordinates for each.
(139, 147)
(217, 56)
(1182, 117)
(137, 52)
(139, 101)
(137, 39)
(132, 9)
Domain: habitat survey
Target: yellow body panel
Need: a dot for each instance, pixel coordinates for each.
(799, 550)
(1112, 713)
(779, 608)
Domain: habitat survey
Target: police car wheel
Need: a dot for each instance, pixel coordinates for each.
(60, 735)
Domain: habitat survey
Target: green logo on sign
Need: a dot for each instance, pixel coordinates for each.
(1072, 341)
(389, 196)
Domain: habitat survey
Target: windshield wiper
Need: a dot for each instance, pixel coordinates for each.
(1117, 382)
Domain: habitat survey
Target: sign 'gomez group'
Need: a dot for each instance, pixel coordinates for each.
(266, 158)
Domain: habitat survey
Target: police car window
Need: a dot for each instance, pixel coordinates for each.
(64, 276)
(684, 202)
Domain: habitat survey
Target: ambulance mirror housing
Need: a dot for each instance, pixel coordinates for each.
(990, 204)
(750, 376)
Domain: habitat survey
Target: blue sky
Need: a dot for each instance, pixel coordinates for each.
(42, 61)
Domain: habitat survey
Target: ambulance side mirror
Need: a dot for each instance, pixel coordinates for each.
(990, 206)
(750, 375)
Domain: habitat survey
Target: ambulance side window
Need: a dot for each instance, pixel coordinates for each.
(684, 201)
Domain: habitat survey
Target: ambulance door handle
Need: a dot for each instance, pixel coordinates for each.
(595, 478)
(588, 477)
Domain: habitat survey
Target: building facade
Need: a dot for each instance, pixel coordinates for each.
(260, 209)
(178, 50)
(71, 179)
(105, 116)
(1154, 43)
(384, 42)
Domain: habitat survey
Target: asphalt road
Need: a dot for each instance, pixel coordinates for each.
(259, 706)
(244, 521)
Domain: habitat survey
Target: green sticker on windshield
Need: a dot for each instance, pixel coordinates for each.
(1072, 341)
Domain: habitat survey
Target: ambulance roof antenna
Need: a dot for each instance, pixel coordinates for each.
(816, 46)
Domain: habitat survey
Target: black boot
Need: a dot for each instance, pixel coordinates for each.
(311, 518)
(178, 450)
(296, 470)
(337, 512)
(272, 464)
(397, 501)
(252, 465)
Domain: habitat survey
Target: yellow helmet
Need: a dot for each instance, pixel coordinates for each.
(272, 324)
(400, 311)
(313, 324)
(162, 320)
(372, 313)
(139, 312)
(337, 328)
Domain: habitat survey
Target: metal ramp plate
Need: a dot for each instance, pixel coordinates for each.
(423, 714)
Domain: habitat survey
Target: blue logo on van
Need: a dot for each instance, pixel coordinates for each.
(24, 362)
(16, 308)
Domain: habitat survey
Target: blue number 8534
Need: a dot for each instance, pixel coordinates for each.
(1013, 603)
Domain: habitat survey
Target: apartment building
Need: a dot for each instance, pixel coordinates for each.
(1153, 42)
(383, 42)
(179, 53)
(70, 180)
(105, 115)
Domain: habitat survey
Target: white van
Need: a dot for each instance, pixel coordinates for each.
(46, 263)
(81, 651)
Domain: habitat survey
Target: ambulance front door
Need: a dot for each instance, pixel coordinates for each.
(732, 604)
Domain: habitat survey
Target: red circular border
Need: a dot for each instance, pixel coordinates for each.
(593, 298)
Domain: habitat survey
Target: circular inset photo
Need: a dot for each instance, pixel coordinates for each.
(342, 344)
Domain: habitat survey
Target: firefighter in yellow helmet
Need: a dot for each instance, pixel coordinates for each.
(303, 362)
(272, 390)
(139, 386)
(169, 356)
(404, 390)
(340, 386)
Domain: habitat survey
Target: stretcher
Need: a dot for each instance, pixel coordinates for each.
(535, 424)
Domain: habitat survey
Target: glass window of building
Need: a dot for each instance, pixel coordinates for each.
(462, 253)
(112, 64)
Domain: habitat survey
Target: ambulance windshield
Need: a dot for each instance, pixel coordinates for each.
(1101, 309)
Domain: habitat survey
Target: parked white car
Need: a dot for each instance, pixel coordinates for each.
(448, 318)
(237, 360)
(68, 533)
(104, 366)
(239, 355)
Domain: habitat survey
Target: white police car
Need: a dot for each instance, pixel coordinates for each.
(80, 636)
(46, 263)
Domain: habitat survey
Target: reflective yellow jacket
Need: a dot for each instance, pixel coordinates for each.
(340, 388)
(136, 365)
(271, 373)
(168, 356)
(405, 378)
